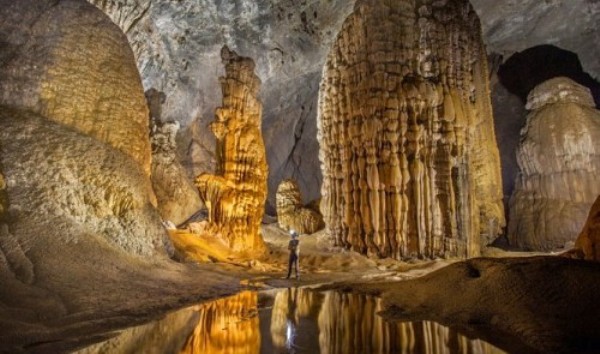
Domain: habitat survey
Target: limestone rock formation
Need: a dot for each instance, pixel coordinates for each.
(588, 242)
(408, 151)
(292, 214)
(177, 46)
(80, 239)
(95, 90)
(235, 195)
(559, 161)
(176, 195)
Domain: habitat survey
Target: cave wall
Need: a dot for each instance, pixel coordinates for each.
(408, 151)
(177, 48)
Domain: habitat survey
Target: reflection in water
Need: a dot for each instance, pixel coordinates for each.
(292, 321)
(228, 325)
(348, 323)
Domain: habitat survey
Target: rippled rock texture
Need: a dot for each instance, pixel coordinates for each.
(235, 196)
(96, 91)
(177, 197)
(292, 214)
(80, 238)
(177, 45)
(559, 163)
(409, 156)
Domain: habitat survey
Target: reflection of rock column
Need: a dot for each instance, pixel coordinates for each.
(348, 323)
(559, 161)
(289, 306)
(228, 325)
(408, 151)
(235, 196)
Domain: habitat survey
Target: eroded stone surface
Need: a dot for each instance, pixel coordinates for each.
(559, 164)
(177, 197)
(408, 151)
(291, 212)
(235, 196)
(177, 46)
(95, 89)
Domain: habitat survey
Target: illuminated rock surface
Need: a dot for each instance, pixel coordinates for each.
(235, 195)
(177, 46)
(82, 248)
(292, 214)
(588, 242)
(177, 197)
(559, 162)
(95, 90)
(408, 152)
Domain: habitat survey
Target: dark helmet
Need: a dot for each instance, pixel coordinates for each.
(293, 233)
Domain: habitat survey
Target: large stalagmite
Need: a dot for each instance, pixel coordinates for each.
(408, 151)
(559, 161)
(235, 195)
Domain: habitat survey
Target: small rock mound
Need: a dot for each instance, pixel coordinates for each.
(292, 214)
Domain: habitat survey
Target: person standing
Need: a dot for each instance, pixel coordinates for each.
(294, 248)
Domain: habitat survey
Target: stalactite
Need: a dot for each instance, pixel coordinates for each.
(235, 196)
(292, 214)
(408, 151)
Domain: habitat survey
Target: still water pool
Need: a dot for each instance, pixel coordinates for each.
(291, 320)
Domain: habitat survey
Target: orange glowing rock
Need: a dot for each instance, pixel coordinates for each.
(408, 152)
(228, 325)
(235, 195)
(292, 214)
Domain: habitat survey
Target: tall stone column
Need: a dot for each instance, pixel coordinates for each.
(559, 165)
(235, 195)
(408, 151)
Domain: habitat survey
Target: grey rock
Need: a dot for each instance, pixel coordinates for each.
(177, 47)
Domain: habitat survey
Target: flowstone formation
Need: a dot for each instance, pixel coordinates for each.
(559, 161)
(235, 195)
(97, 92)
(176, 195)
(408, 152)
(292, 214)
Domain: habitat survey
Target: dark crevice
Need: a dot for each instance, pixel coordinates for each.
(525, 70)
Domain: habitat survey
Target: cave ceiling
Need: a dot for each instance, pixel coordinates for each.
(177, 46)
